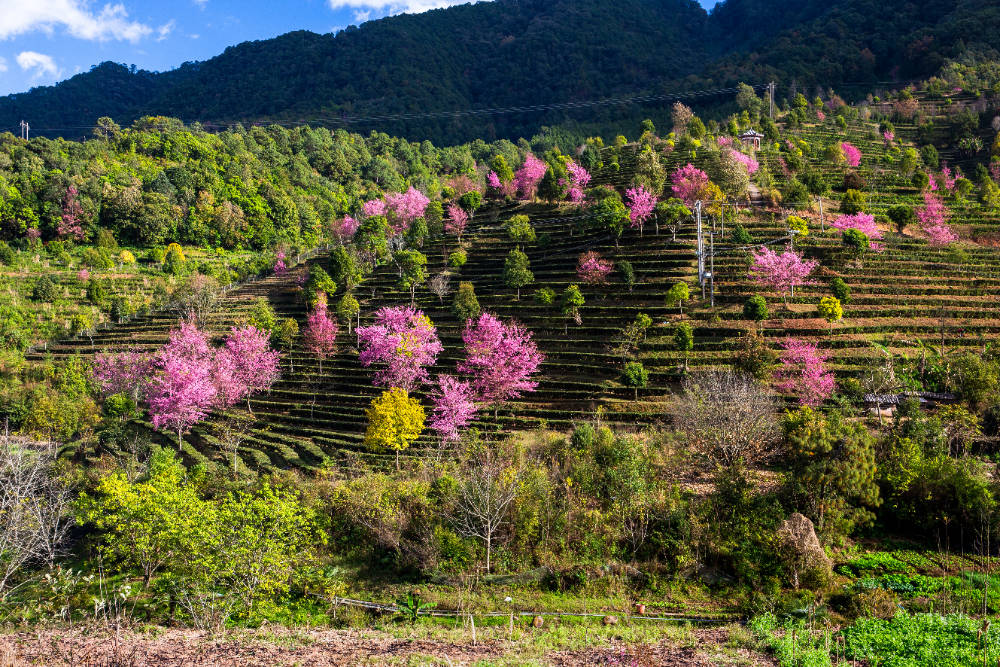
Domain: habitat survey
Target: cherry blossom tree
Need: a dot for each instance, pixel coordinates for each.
(70, 223)
(125, 372)
(851, 154)
(183, 390)
(253, 365)
(454, 408)
(404, 341)
(406, 207)
(343, 230)
(803, 372)
(864, 223)
(457, 220)
(374, 207)
(750, 164)
(781, 271)
(933, 220)
(578, 179)
(888, 137)
(689, 184)
(320, 334)
(529, 176)
(592, 269)
(641, 205)
(500, 358)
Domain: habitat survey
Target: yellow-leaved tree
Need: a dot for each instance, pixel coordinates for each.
(394, 421)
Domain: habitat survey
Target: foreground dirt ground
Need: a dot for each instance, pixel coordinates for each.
(172, 647)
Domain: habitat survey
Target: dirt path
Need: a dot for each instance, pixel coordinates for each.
(326, 648)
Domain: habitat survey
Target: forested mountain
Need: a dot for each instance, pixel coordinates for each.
(525, 52)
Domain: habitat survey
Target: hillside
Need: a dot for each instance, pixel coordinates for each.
(512, 53)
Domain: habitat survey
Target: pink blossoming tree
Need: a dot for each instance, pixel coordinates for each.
(529, 176)
(70, 223)
(343, 230)
(781, 272)
(454, 408)
(933, 220)
(320, 334)
(592, 269)
(750, 164)
(405, 207)
(252, 365)
(579, 178)
(689, 184)
(851, 154)
(803, 372)
(374, 207)
(404, 342)
(127, 372)
(456, 221)
(641, 205)
(864, 223)
(500, 358)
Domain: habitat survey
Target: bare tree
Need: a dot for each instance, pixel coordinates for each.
(727, 416)
(483, 503)
(232, 432)
(34, 507)
(196, 298)
(439, 285)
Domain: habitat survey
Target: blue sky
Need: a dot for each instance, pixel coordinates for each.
(45, 41)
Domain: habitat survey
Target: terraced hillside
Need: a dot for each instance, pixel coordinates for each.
(906, 298)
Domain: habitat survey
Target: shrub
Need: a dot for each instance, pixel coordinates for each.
(44, 290)
(852, 202)
(7, 254)
(457, 259)
(636, 376)
(740, 235)
(755, 308)
(902, 215)
(465, 304)
(840, 289)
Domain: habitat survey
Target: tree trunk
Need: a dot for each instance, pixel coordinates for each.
(397, 459)
(489, 547)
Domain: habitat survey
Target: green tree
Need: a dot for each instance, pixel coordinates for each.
(348, 309)
(753, 357)
(465, 304)
(684, 340)
(345, 269)
(262, 315)
(677, 295)
(319, 283)
(44, 290)
(636, 376)
(572, 302)
(901, 215)
(840, 289)
(628, 273)
(755, 309)
(516, 271)
(852, 202)
(519, 230)
(412, 270)
(834, 470)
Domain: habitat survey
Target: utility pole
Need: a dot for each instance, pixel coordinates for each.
(711, 272)
(770, 89)
(822, 223)
(25, 128)
(701, 246)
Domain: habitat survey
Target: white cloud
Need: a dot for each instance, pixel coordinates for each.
(164, 30)
(200, 3)
(75, 16)
(39, 62)
(364, 9)
(3, 64)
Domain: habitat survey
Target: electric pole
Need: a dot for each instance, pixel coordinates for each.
(701, 245)
(25, 129)
(770, 89)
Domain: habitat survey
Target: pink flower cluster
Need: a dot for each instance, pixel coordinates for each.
(689, 184)
(864, 223)
(320, 334)
(501, 359)
(404, 341)
(723, 141)
(641, 204)
(454, 407)
(851, 154)
(933, 219)
(748, 162)
(187, 377)
(888, 136)
(948, 179)
(344, 229)
(803, 372)
(782, 272)
(820, 115)
(529, 176)
(579, 178)
(592, 269)
(372, 208)
(70, 223)
(456, 221)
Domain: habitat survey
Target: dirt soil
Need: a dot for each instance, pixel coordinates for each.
(188, 648)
